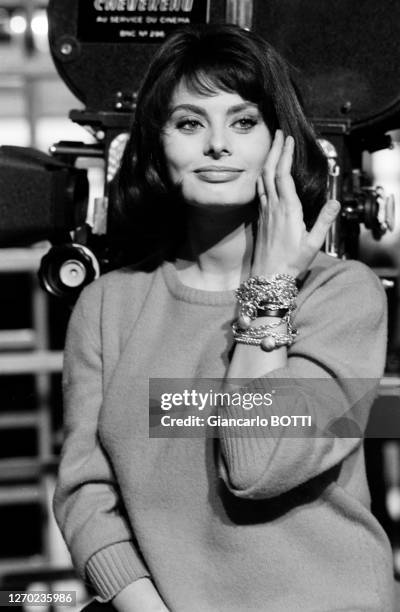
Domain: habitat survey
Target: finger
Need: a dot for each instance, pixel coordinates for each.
(324, 221)
(271, 164)
(263, 200)
(284, 166)
(285, 185)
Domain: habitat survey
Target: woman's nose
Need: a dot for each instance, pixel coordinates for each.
(217, 143)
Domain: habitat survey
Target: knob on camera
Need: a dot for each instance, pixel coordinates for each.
(66, 269)
(379, 211)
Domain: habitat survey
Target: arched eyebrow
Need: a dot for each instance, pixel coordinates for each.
(199, 110)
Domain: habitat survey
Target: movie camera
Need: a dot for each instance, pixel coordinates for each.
(101, 49)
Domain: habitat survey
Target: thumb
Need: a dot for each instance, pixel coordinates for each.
(324, 221)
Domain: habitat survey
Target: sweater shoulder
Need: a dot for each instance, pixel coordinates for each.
(343, 273)
(120, 282)
(115, 294)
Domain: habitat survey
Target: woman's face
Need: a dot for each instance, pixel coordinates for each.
(215, 147)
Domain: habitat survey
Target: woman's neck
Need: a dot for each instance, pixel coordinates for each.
(218, 250)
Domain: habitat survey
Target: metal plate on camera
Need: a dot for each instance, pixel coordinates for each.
(137, 21)
(99, 55)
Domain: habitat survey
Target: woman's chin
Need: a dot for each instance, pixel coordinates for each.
(219, 195)
(220, 200)
(220, 206)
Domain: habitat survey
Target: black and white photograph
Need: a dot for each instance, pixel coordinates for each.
(200, 305)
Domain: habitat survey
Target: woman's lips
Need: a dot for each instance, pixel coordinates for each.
(212, 174)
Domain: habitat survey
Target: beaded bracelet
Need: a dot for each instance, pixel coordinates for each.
(267, 339)
(268, 343)
(256, 332)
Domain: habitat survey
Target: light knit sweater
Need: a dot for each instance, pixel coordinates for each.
(239, 524)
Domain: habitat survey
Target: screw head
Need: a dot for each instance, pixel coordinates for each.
(66, 48)
(346, 107)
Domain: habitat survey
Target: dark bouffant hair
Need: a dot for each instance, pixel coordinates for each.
(207, 59)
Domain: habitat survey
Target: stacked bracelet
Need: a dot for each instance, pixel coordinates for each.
(267, 310)
(260, 296)
(269, 343)
(278, 291)
(256, 332)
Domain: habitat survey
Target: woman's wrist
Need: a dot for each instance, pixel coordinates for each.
(267, 273)
(139, 596)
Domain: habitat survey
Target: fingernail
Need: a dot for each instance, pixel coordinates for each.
(334, 206)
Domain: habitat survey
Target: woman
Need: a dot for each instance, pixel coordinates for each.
(225, 170)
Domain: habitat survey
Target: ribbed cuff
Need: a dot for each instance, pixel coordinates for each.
(113, 568)
(248, 450)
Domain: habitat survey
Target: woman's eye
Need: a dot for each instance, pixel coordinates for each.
(245, 123)
(188, 125)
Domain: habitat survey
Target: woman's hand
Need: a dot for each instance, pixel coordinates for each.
(283, 244)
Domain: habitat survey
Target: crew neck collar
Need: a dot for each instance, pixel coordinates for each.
(191, 294)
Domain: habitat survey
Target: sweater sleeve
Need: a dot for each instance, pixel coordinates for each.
(332, 376)
(87, 504)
